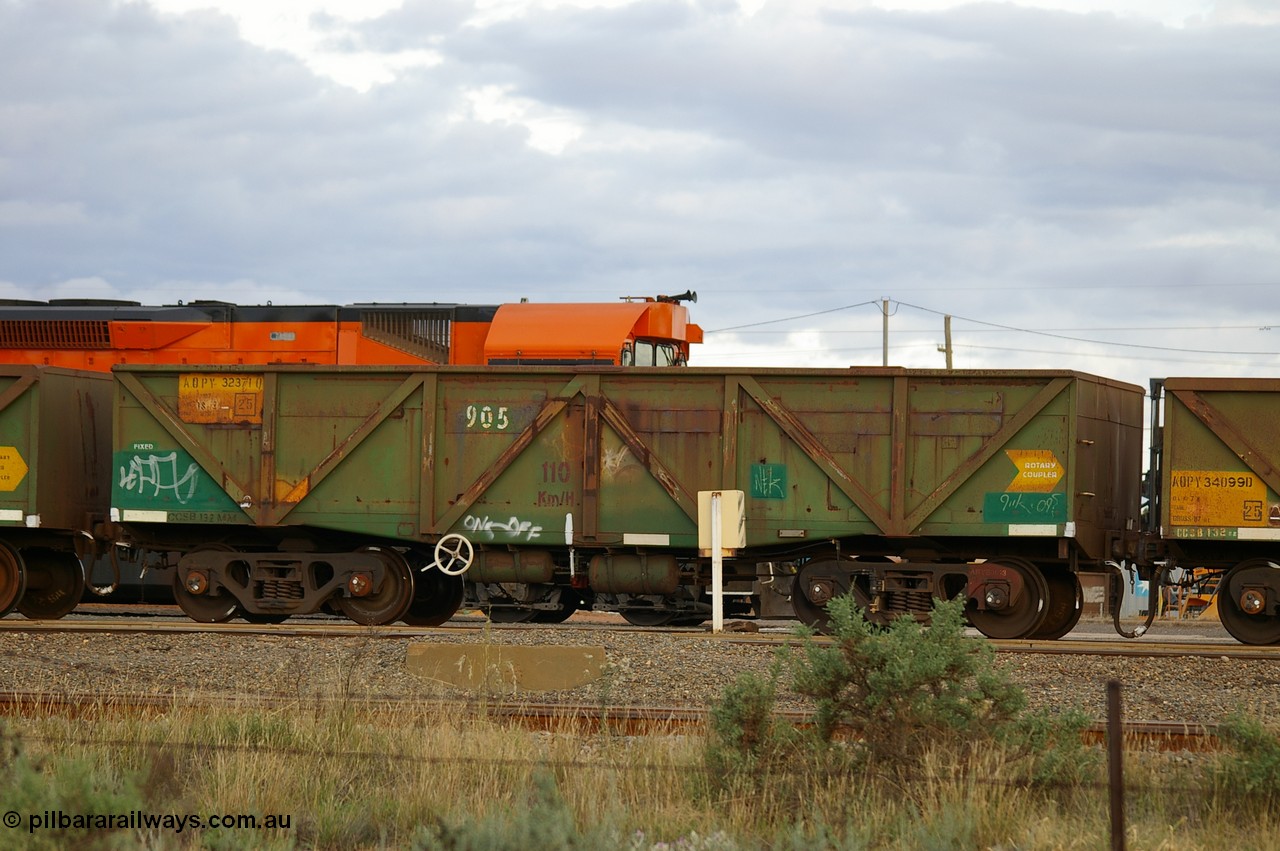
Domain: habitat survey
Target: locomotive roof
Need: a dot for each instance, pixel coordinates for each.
(221, 311)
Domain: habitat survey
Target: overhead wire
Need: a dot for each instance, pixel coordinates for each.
(791, 318)
(877, 303)
(1081, 339)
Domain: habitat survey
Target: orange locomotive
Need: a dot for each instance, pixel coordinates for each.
(94, 335)
(97, 334)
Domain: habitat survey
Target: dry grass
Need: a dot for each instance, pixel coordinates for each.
(349, 775)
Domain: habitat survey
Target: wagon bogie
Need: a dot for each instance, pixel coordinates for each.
(371, 586)
(1007, 597)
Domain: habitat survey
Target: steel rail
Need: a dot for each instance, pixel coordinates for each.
(585, 718)
(1146, 648)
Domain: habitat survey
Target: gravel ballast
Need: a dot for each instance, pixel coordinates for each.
(687, 670)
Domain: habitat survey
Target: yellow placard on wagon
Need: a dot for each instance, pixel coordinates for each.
(220, 398)
(13, 469)
(1039, 470)
(1216, 498)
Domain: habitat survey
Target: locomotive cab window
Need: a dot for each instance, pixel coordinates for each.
(644, 353)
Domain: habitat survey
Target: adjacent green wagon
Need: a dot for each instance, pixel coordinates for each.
(1219, 500)
(579, 487)
(55, 446)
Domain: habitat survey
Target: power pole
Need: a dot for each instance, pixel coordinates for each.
(946, 324)
(884, 308)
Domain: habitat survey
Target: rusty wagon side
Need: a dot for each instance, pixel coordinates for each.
(55, 444)
(283, 487)
(1219, 496)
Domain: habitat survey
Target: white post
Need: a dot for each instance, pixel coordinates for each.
(717, 566)
(568, 542)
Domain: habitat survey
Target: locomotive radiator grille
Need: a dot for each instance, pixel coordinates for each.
(425, 333)
(55, 334)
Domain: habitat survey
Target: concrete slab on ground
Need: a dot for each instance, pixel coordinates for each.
(515, 667)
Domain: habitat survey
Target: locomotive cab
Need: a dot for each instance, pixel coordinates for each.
(638, 332)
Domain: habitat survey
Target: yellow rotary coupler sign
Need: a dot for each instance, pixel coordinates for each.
(220, 398)
(1039, 470)
(13, 469)
(1217, 498)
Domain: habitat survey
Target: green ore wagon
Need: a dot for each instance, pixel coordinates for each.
(285, 488)
(55, 451)
(1219, 498)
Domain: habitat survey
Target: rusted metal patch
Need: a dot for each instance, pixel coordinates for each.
(220, 398)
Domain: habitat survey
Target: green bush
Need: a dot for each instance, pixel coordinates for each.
(545, 824)
(70, 787)
(1246, 774)
(904, 690)
(747, 741)
(901, 697)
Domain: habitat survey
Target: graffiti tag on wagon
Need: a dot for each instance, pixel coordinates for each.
(150, 476)
(1024, 508)
(768, 481)
(154, 475)
(511, 528)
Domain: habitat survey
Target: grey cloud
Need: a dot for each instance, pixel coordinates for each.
(414, 26)
(1045, 168)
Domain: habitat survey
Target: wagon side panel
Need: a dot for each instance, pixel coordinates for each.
(1221, 465)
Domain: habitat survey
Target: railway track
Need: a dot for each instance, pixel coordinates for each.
(581, 718)
(1094, 645)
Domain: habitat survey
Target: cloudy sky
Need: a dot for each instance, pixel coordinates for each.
(1088, 184)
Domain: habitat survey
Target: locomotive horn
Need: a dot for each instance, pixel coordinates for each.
(687, 295)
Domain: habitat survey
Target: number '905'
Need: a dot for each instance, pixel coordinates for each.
(488, 418)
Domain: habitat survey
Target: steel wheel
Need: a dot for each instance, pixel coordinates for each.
(219, 607)
(1243, 584)
(55, 584)
(1064, 607)
(436, 597)
(387, 603)
(647, 617)
(817, 583)
(1025, 610)
(13, 578)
